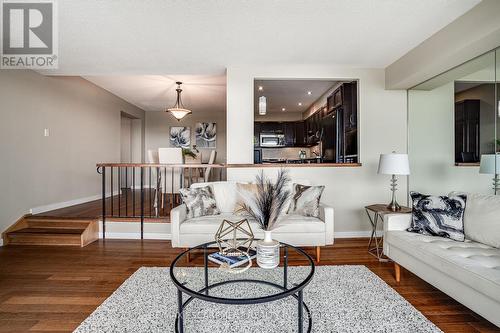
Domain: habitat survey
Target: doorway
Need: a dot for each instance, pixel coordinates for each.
(130, 145)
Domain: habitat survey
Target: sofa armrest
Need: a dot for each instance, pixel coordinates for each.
(397, 222)
(326, 214)
(177, 216)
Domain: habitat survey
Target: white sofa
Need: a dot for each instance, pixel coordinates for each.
(467, 271)
(292, 229)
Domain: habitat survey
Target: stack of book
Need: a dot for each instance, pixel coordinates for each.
(232, 261)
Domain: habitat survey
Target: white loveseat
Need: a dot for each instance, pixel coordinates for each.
(295, 230)
(467, 271)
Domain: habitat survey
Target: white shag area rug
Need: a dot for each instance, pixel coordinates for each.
(341, 299)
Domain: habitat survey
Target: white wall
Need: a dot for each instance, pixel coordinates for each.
(158, 128)
(84, 125)
(382, 124)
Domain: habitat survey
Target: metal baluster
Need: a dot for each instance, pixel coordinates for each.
(103, 170)
(126, 191)
(112, 190)
(150, 191)
(142, 202)
(119, 192)
(133, 192)
(157, 194)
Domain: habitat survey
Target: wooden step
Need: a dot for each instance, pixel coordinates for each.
(21, 237)
(34, 230)
(46, 230)
(57, 224)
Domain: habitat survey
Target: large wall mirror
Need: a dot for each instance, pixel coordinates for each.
(453, 125)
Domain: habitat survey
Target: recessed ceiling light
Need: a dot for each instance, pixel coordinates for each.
(309, 92)
(283, 109)
(300, 104)
(261, 88)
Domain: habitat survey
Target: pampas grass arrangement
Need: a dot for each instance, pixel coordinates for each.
(268, 203)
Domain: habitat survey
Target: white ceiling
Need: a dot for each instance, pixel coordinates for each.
(130, 37)
(137, 49)
(157, 92)
(289, 93)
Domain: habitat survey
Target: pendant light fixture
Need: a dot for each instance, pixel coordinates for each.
(262, 105)
(178, 110)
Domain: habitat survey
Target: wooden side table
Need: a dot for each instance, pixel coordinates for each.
(378, 211)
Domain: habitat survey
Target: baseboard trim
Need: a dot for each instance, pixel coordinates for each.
(167, 236)
(136, 235)
(64, 204)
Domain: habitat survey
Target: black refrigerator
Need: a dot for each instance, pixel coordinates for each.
(339, 145)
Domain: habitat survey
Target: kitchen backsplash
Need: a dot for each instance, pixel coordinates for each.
(287, 153)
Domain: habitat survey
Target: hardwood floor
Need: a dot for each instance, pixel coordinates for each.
(53, 289)
(127, 204)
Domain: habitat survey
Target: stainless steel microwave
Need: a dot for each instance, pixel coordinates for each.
(272, 140)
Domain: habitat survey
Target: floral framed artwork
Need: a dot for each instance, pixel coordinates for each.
(180, 136)
(206, 135)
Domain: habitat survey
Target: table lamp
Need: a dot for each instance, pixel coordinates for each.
(394, 164)
(490, 165)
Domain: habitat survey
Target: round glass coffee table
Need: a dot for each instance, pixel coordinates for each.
(223, 287)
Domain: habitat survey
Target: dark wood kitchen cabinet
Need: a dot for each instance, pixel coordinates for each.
(289, 132)
(256, 134)
(271, 127)
(350, 105)
(467, 131)
(300, 133)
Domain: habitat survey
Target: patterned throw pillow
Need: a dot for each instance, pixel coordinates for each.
(438, 216)
(305, 200)
(199, 201)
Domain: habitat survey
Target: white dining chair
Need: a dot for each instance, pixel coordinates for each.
(208, 170)
(174, 177)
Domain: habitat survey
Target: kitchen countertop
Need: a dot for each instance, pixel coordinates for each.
(291, 161)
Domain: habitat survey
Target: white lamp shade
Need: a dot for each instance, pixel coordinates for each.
(179, 113)
(393, 164)
(489, 165)
(262, 105)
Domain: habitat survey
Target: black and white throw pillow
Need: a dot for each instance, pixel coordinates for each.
(305, 200)
(199, 201)
(438, 215)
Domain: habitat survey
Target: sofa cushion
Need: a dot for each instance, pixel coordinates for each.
(482, 219)
(474, 264)
(305, 200)
(438, 215)
(244, 192)
(287, 224)
(224, 193)
(199, 201)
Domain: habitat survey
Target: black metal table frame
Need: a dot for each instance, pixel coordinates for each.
(203, 294)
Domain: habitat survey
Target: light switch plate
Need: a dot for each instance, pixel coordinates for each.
(46, 132)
